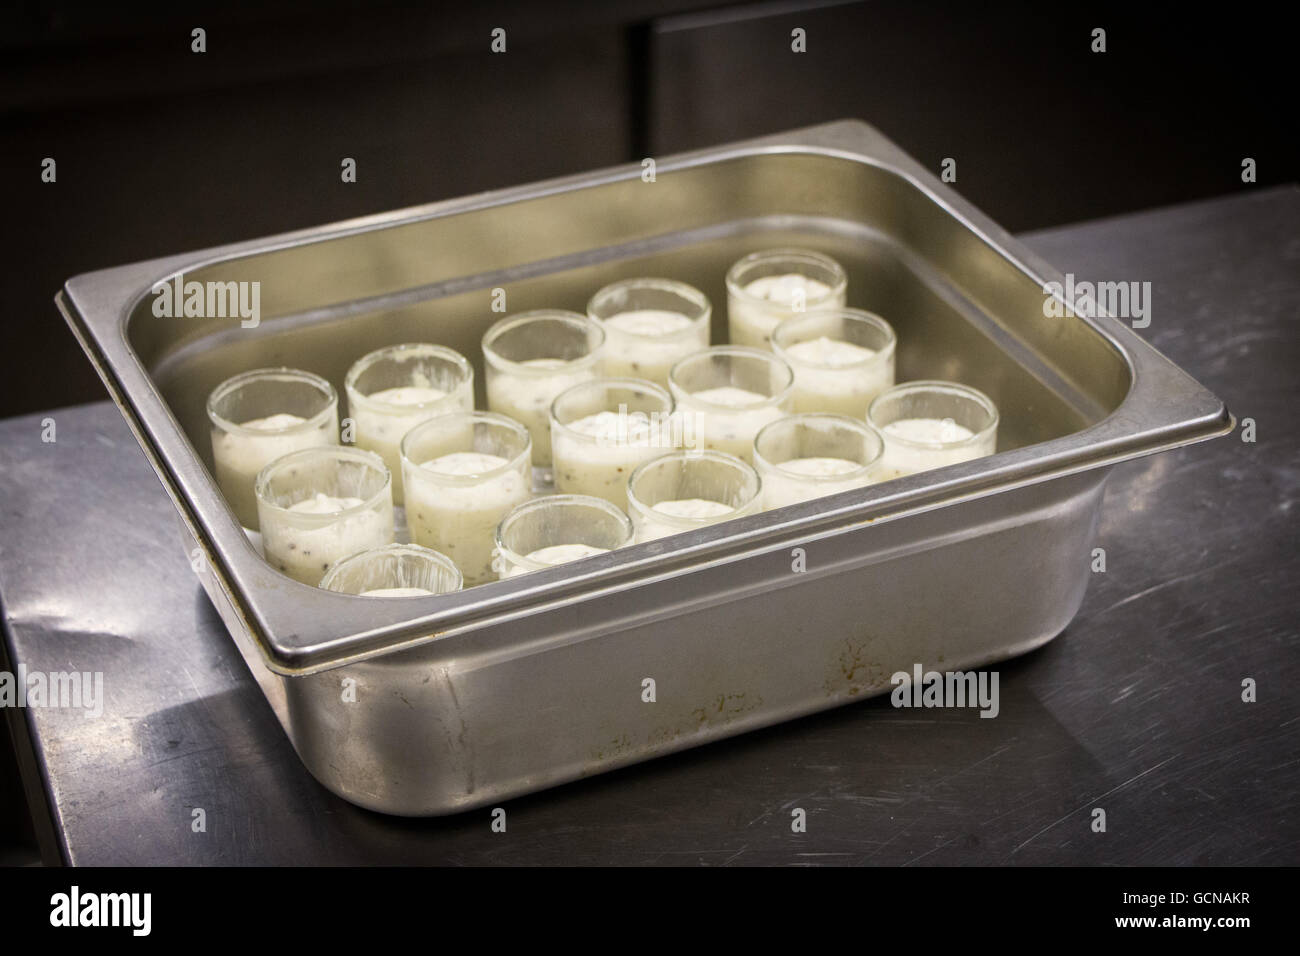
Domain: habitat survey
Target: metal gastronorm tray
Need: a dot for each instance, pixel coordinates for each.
(469, 698)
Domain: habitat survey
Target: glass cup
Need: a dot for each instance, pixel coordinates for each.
(393, 389)
(464, 472)
(931, 424)
(394, 570)
(685, 490)
(260, 415)
(725, 394)
(842, 359)
(531, 358)
(812, 455)
(318, 505)
(556, 529)
(602, 429)
(649, 325)
(766, 288)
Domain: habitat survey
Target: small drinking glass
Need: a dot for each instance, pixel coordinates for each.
(260, 415)
(464, 472)
(531, 358)
(812, 455)
(556, 529)
(394, 570)
(602, 429)
(649, 325)
(393, 389)
(725, 394)
(685, 490)
(318, 505)
(931, 424)
(766, 288)
(842, 359)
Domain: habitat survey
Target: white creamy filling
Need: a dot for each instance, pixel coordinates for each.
(698, 512)
(939, 442)
(459, 517)
(778, 298)
(827, 351)
(613, 428)
(782, 289)
(693, 508)
(395, 592)
(649, 322)
(275, 422)
(819, 467)
(407, 395)
(563, 553)
(831, 375)
(646, 343)
(323, 504)
(730, 396)
(934, 431)
(554, 554)
(545, 363)
(465, 463)
(788, 483)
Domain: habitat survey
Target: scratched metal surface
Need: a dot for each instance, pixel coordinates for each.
(1136, 708)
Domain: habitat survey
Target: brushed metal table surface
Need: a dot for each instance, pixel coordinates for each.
(1136, 708)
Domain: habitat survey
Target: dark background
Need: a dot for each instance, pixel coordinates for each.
(161, 150)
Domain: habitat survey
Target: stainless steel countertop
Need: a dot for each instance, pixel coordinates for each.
(1136, 708)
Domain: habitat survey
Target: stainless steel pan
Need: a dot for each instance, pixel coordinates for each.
(467, 699)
